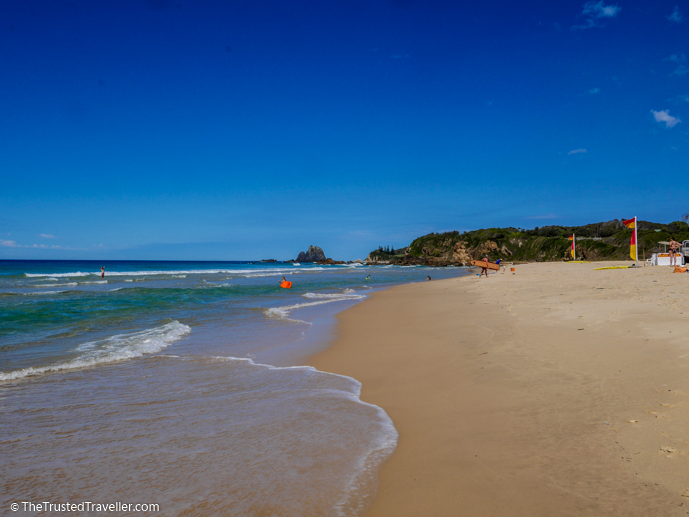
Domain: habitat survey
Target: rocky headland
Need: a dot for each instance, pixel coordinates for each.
(599, 241)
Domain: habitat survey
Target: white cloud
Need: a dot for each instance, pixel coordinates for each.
(47, 236)
(594, 91)
(664, 116)
(595, 11)
(680, 71)
(577, 151)
(676, 16)
(600, 10)
(9, 244)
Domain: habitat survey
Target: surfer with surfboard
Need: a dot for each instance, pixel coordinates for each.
(485, 265)
(485, 269)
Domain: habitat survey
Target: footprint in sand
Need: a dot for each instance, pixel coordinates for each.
(668, 451)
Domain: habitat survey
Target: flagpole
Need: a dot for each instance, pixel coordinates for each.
(636, 238)
(574, 246)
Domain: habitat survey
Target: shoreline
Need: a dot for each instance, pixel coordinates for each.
(505, 407)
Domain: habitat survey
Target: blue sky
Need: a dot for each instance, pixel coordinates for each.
(229, 130)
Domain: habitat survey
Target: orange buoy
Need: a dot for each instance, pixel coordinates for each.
(286, 285)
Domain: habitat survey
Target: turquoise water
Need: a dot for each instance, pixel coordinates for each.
(91, 367)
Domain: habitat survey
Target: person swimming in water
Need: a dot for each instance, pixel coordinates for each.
(368, 277)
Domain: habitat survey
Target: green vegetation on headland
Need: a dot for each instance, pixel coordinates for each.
(600, 241)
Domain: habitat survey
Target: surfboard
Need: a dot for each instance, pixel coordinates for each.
(286, 285)
(483, 263)
(612, 267)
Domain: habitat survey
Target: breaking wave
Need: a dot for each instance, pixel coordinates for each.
(111, 349)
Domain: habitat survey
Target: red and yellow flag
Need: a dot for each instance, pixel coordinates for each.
(571, 238)
(631, 223)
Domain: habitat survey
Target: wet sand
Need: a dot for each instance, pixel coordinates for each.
(558, 390)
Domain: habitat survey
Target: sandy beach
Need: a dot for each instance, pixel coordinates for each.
(557, 390)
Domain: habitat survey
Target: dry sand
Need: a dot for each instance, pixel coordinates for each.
(558, 390)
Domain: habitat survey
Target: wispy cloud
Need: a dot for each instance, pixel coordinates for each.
(680, 99)
(545, 216)
(594, 91)
(664, 116)
(680, 71)
(14, 244)
(577, 151)
(594, 12)
(47, 236)
(676, 16)
(676, 58)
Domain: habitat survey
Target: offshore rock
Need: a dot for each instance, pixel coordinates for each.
(314, 254)
(329, 261)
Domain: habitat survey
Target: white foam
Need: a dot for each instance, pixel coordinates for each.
(55, 285)
(114, 348)
(283, 312)
(256, 275)
(55, 276)
(282, 270)
(334, 296)
(43, 292)
(94, 282)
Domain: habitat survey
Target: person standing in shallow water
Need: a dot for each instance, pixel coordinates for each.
(102, 271)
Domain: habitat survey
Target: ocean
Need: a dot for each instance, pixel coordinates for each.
(182, 384)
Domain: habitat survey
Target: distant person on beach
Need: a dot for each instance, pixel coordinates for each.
(102, 271)
(428, 278)
(674, 246)
(484, 269)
